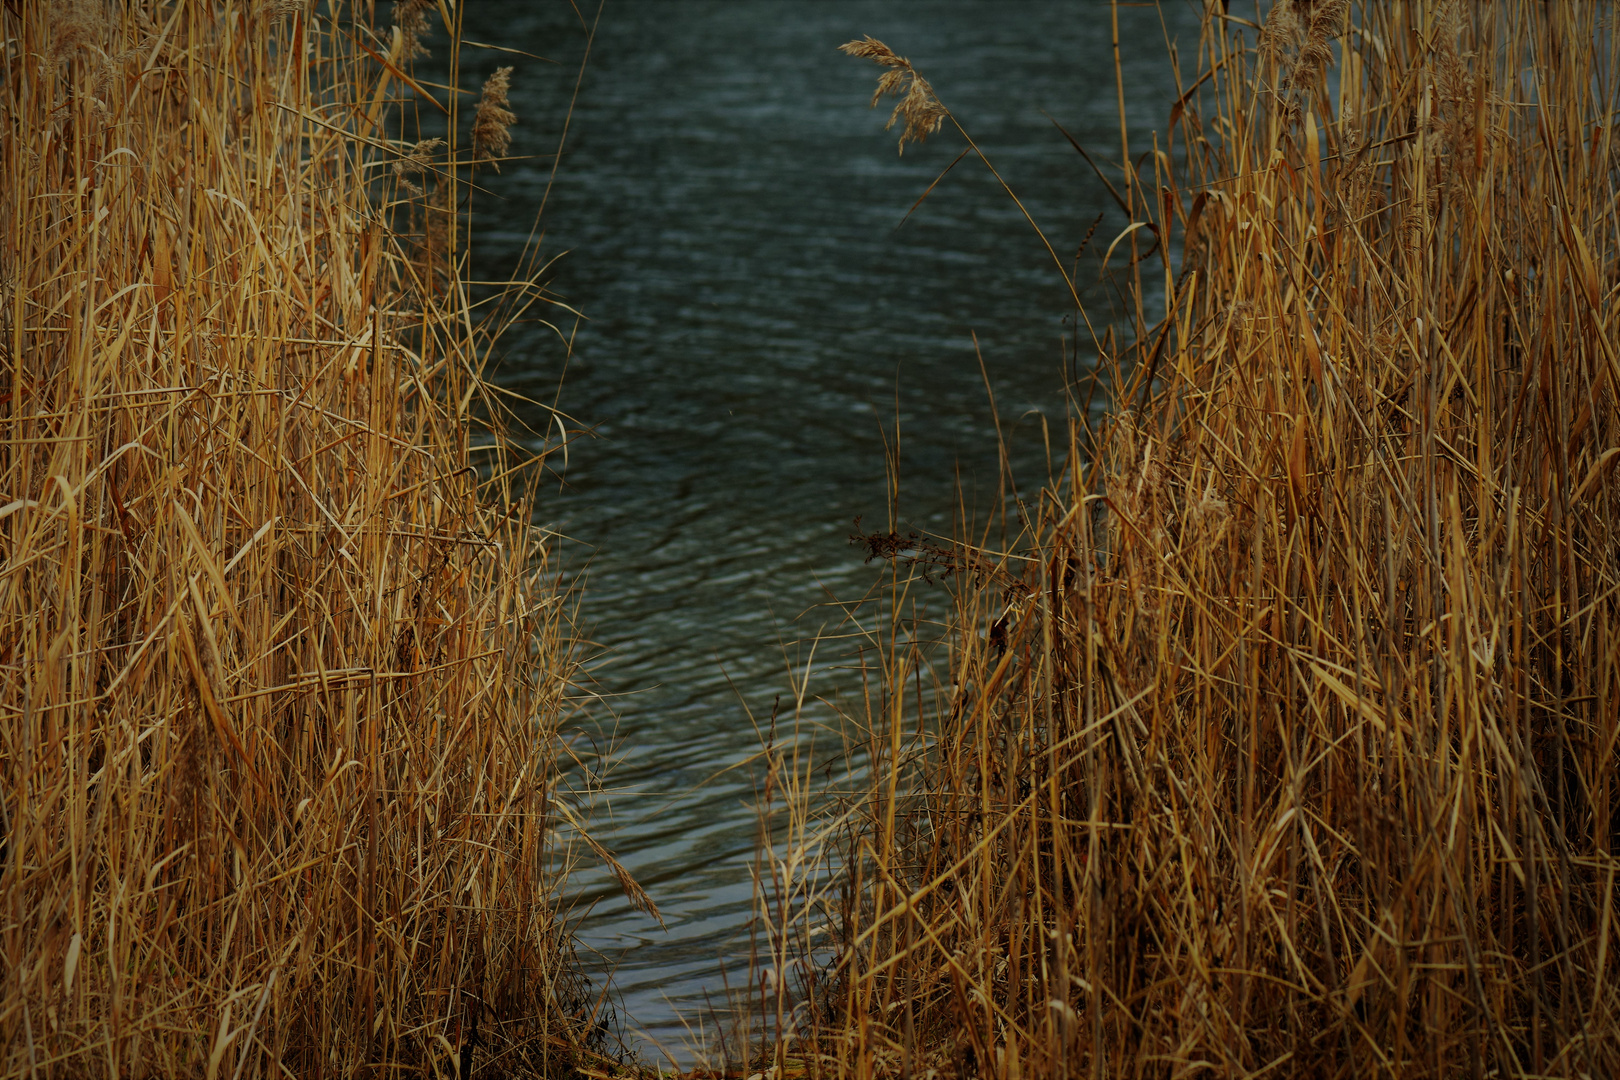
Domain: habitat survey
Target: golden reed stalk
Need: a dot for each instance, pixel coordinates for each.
(281, 657)
(1290, 747)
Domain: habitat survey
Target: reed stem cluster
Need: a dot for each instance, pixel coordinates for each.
(282, 659)
(1290, 749)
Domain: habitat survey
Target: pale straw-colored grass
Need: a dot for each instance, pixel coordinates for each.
(282, 659)
(1292, 750)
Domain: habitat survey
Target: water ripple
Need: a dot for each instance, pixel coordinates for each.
(729, 207)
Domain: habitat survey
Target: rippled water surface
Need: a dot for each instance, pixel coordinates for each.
(730, 209)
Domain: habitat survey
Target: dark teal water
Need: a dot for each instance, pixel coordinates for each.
(727, 214)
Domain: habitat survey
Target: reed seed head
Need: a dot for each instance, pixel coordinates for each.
(416, 161)
(918, 107)
(411, 17)
(78, 24)
(273, 10)
(491, 131)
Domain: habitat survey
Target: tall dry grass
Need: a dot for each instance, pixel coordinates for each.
(1283, 743)
(281, 657)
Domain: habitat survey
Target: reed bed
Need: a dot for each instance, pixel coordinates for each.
(282, 659)
(1282, 739)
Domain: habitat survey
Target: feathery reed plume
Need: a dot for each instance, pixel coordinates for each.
(1280, 33)
(918, 107)
(274, 10)
(1296, 38)
(76, 24)
(412, 21)
(415, 162)
(491, 131)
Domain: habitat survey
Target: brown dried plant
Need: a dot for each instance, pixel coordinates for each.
(283, 662)
(1297, 37)
(1302, 757)
(416, 161)
(491, 131)
(412, 21)
(918, 107)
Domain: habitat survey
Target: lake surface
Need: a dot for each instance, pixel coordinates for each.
(759, 323)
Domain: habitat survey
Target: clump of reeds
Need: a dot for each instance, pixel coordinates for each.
(281, 656)
(1297, 753)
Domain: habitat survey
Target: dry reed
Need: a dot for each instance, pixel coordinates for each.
(1284, 741)
(281, 657)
